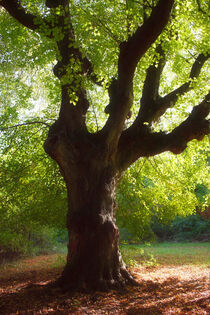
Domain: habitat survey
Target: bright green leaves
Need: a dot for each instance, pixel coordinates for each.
(98, 29)
(97, 38)
(32, 191)
(95, 116)
(164, 187)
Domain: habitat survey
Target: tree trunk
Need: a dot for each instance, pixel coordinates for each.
(94, 261)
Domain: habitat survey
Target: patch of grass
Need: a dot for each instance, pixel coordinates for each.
(148, 255)
(36, 263)
(168, 253)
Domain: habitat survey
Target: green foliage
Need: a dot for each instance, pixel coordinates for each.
(167, 254)
(163, 187)
(190, 228)
(201, 192)
(40, 240)
(27, 183)
(134, 256)
(32, 193)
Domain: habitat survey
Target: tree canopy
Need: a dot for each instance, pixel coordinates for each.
(178, 56)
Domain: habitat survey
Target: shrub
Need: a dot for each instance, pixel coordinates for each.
(190, 228)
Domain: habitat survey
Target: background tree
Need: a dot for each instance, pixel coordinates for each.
(92, 163)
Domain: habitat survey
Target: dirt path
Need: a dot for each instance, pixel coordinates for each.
(161, 290)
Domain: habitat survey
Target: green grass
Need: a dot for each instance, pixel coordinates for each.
(165, 254)
(149, 255)
(39, 263)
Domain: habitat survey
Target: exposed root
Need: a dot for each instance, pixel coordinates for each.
(73, 284)
(129, 278)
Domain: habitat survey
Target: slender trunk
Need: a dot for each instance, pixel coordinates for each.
(94, 261)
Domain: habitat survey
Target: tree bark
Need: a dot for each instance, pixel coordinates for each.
(94, 260)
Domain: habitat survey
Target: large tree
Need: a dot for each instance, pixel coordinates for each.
(92, 163)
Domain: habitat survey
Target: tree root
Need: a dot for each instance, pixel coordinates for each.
(72, 284)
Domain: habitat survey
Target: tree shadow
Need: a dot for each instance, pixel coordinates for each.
(173, 296)
(150, 297)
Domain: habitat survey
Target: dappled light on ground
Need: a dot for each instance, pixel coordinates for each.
(162, 290)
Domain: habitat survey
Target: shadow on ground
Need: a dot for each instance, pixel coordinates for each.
(29, 293)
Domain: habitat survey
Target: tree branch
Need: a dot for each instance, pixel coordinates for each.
(150, 94)
(130, 53)
(127, 18)
(67, 48)
(108, 31)
(136, 46)
(16, 10)
(194, 127)
(152, 105)
(195, 71)
(33, 22)
(171, 99)
(143, 143)
(200, 8)
(25, 124)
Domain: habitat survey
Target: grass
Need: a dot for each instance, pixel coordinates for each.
(168, 253)
(38, 264)
(149, 255)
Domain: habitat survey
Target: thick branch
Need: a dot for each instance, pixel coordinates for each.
(152, 105)
(172, 97)
(130, 54)
(150, 93)
(72, 118)
(194, 127)
(67, 49)
(16, 10)
(152, 81)
(143, 143)
(53, 3)
(136, 46)
(70, 69)
(33, 22)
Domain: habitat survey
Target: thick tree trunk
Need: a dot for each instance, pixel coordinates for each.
(94, 261)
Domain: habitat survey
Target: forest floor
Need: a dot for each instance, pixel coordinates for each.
(167, 285)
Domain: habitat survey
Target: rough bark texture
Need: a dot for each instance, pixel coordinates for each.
(94, 260)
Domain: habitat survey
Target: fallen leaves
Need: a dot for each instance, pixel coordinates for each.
(162, 290)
